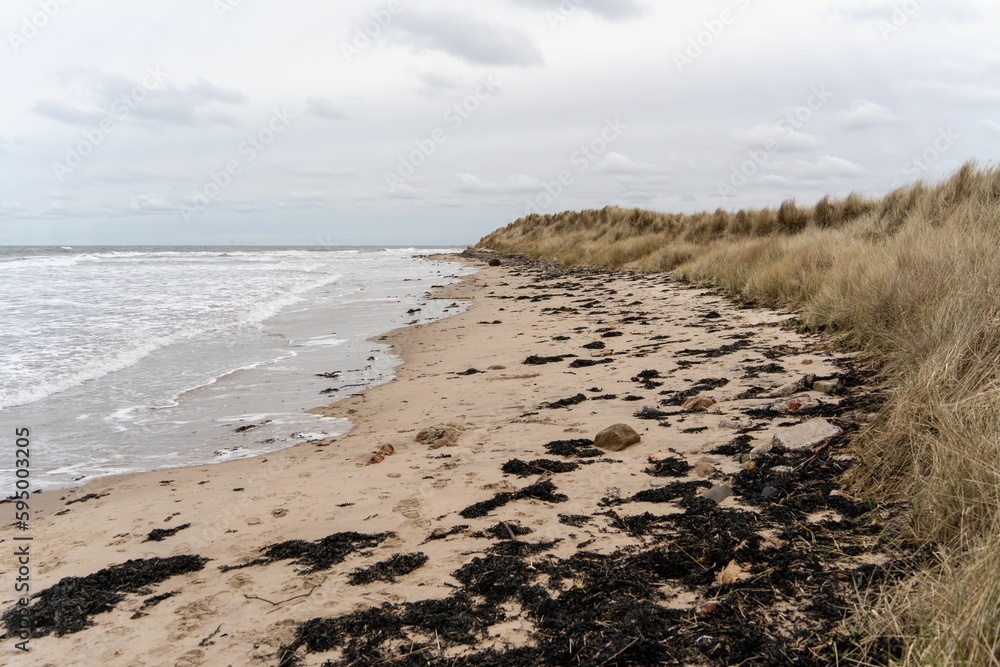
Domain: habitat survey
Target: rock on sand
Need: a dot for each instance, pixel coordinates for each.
(616, 438)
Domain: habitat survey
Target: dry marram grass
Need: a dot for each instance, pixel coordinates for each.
(913, 281)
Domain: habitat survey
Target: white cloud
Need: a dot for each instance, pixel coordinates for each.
(825, 167)
(307, 171)
(612, 10)
(470, 38)
(11, 209)
(616, 163)
(304, 200)
(515, 184)
(149, 203)
(323, 107)
(864, 115)
(784, 137)
(982, 93)
(955, 11)
(434, 83)
(92, 96)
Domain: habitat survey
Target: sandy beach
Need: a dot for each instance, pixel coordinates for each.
(644, 566)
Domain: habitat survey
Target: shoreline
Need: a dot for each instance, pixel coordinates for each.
(272, 391)
(393, 340)
(407, 503)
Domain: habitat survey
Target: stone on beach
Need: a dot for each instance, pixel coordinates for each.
(698, 403)
(794, 404)
(441, 435)
(704, 469)
(718, 493)
(806, 435)
(802, 384)
(826, 386)
(616, 438)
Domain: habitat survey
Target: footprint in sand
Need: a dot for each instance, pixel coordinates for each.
(408, 508)
(194, 617)
(191, 658)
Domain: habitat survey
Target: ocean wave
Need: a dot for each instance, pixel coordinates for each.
(17, 390)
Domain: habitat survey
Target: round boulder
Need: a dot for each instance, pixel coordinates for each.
(616, 438)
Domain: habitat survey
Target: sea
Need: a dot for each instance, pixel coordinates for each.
(128, 359)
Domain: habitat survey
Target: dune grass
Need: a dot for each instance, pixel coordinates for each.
(912, 282)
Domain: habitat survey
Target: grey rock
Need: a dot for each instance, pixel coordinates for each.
(805, 436)
(827, 386)
(761, 449)
(801, 384)
(787, 390)
(718, 493)
(768, 492)
(793, 404)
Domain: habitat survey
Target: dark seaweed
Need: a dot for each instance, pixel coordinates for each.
(160, 534)
(68, 606)
(315, 556)
(544, 490)
(537, 467)
(387, 570)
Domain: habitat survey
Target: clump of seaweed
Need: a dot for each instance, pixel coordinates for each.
(387, 570)
(68, 606)
(671, 467)
(581, 448)
(504, 530)
(537, 467)
(160, 534)
(319, 555)
(544, 490)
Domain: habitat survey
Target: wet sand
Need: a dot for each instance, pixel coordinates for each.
(429, 553)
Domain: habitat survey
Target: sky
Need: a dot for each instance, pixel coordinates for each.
(423, 122)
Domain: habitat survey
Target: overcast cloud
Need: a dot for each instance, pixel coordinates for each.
(427, 122)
